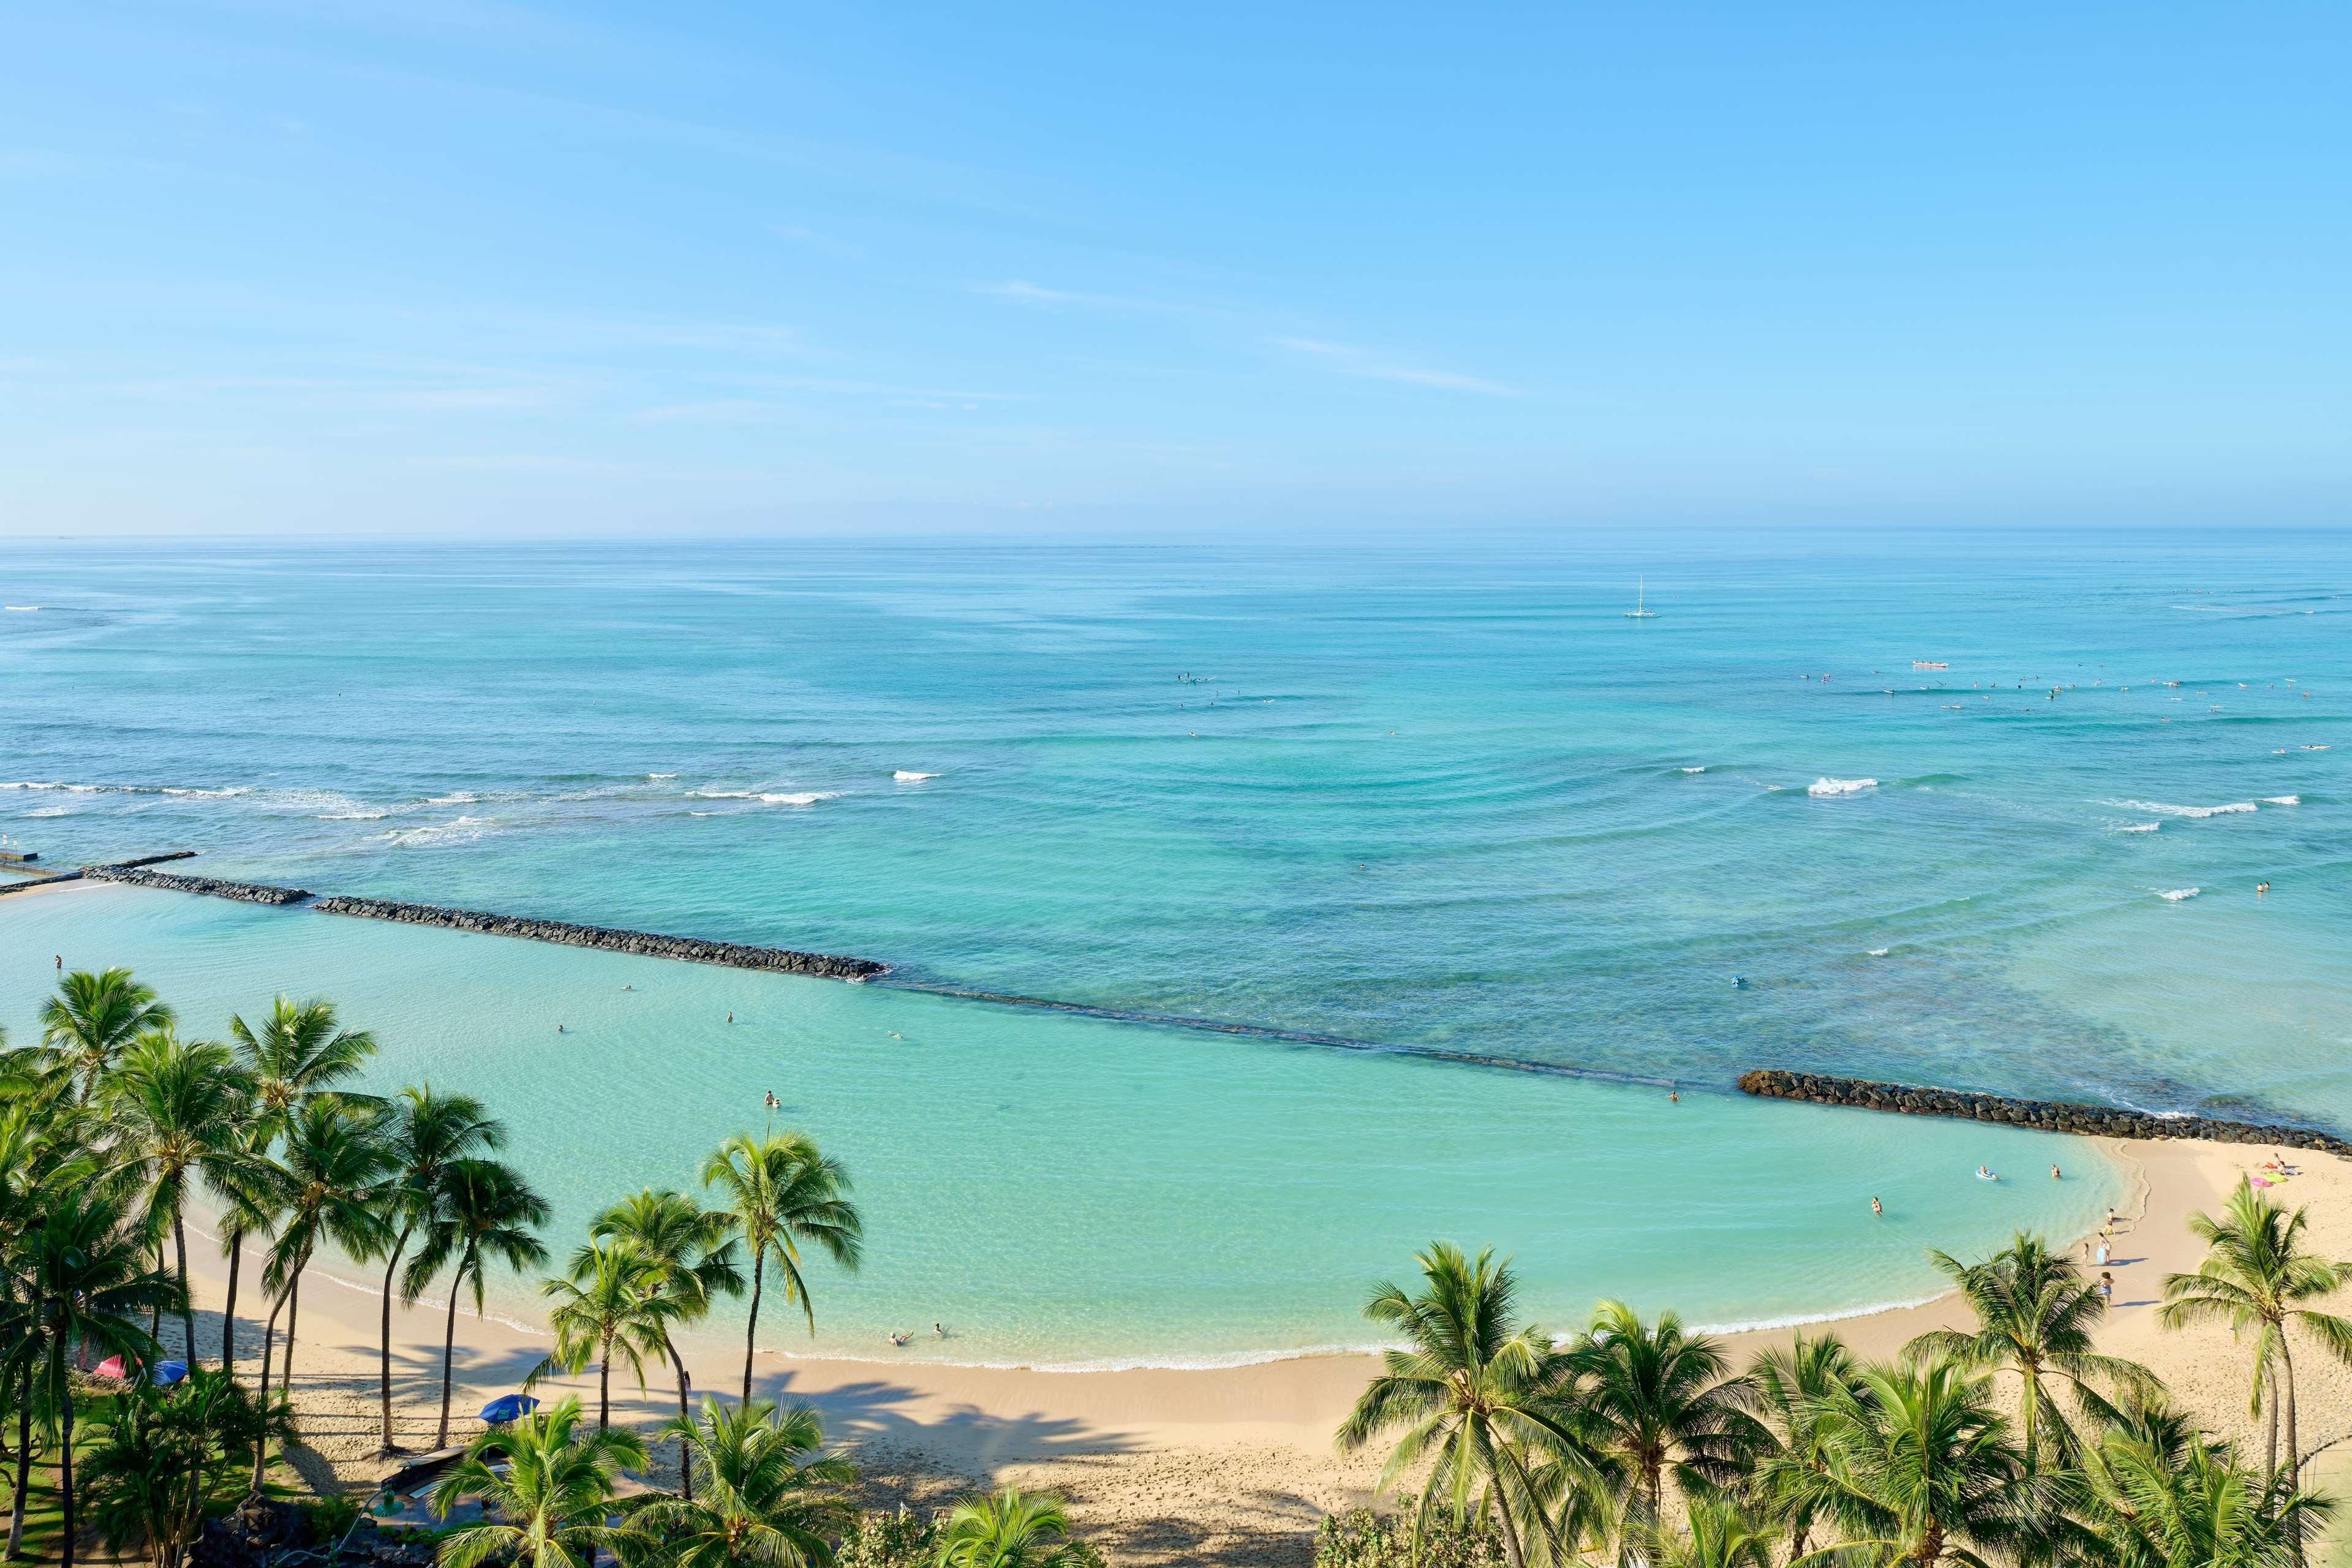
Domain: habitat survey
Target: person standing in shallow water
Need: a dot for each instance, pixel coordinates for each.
(1876, 1207)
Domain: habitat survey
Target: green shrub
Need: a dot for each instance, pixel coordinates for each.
(1362, 1539)
(902, 1539)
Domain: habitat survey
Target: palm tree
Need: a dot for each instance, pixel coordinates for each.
(44, 1160)
(87, 1279)
(295, 1055)
(1657, 1398)
(1010, 1529)
(782, 1192)
(1719, 1535)
(252, 1209)
(482, 1212)
(2256, 1277)
(93, 1017)
(335, 1166)
(610, 1303)
(2036, 1314)
(423, 1132)
(691, 1258)
(770, 1498)
(172, 1108)
(2160, 1495)
(545, 1507)
(1790, 1480)
(1922, 1469)
(1476, 1393)
(298, 1053)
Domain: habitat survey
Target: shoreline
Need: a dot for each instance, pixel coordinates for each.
(1167, 1464)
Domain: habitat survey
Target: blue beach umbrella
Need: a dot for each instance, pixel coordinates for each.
(506, 1407)
(169, 1373)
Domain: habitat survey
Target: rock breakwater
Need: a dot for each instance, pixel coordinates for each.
(2043, 1115)
(211, 887)
(648, 944)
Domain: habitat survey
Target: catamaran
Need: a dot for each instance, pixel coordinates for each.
(1639, 612)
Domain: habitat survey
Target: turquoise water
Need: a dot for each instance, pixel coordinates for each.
(1073, 1192)
(1445, 797)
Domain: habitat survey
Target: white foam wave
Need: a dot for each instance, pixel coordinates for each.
(2200, 812)
(1693, 770)
(799, 797)
(352, 815)
(2178, 895)
(1880, 952)
(20, 609)
(458, 830)
(1826, 786)
(656, 778)
(1205, 1360)
(2283, 800)
(1801, 1319)
(904, 776)
(2137, 827)
(456, 797)
(52, 811)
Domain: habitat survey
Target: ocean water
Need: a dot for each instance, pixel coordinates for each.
(1442, 797)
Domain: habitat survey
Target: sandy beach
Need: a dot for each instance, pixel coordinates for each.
(1230, 1466)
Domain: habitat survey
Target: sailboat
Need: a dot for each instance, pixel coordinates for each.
(1639, 612)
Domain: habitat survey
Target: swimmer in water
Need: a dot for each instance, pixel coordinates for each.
(2263, 888)
(896, 1338)
(730, 1017)
(1675, 1096)
(1876, 1207)
(940, 1330)
(2053, 1174)
(559, 1028)
(1984, 1174)
(628, 988)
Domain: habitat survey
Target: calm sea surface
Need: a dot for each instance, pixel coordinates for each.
(1446, 797)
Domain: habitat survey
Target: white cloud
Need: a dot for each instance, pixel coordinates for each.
(1362, 363)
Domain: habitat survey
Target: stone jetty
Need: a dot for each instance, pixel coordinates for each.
(211, 887)
(2043, 1115)
(648, 944)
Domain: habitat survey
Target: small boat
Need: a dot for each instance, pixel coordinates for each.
(1640, 612)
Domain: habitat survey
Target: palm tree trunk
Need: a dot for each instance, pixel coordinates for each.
(2266, 1381)
(261, 1447)
(155, 1308)
(65, 1482)
(752, 1332)
(236, 1239)
(2293, 1448)
(604, 1388)
(2033, 1409)
(24, 1465)
(685, 1449)
(449, 1351)
(1931, 1545)
(293, 1310)
(187, 1302)
(1511, 1547)
(384, 1371)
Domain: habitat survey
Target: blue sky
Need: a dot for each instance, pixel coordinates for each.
(435, 266)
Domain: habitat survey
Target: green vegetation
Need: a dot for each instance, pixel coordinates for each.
(1634, 1441)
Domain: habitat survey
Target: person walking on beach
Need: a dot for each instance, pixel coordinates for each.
(2108, 1289)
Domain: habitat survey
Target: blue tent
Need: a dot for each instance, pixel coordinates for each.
(506, 1407)
(171, 1372)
